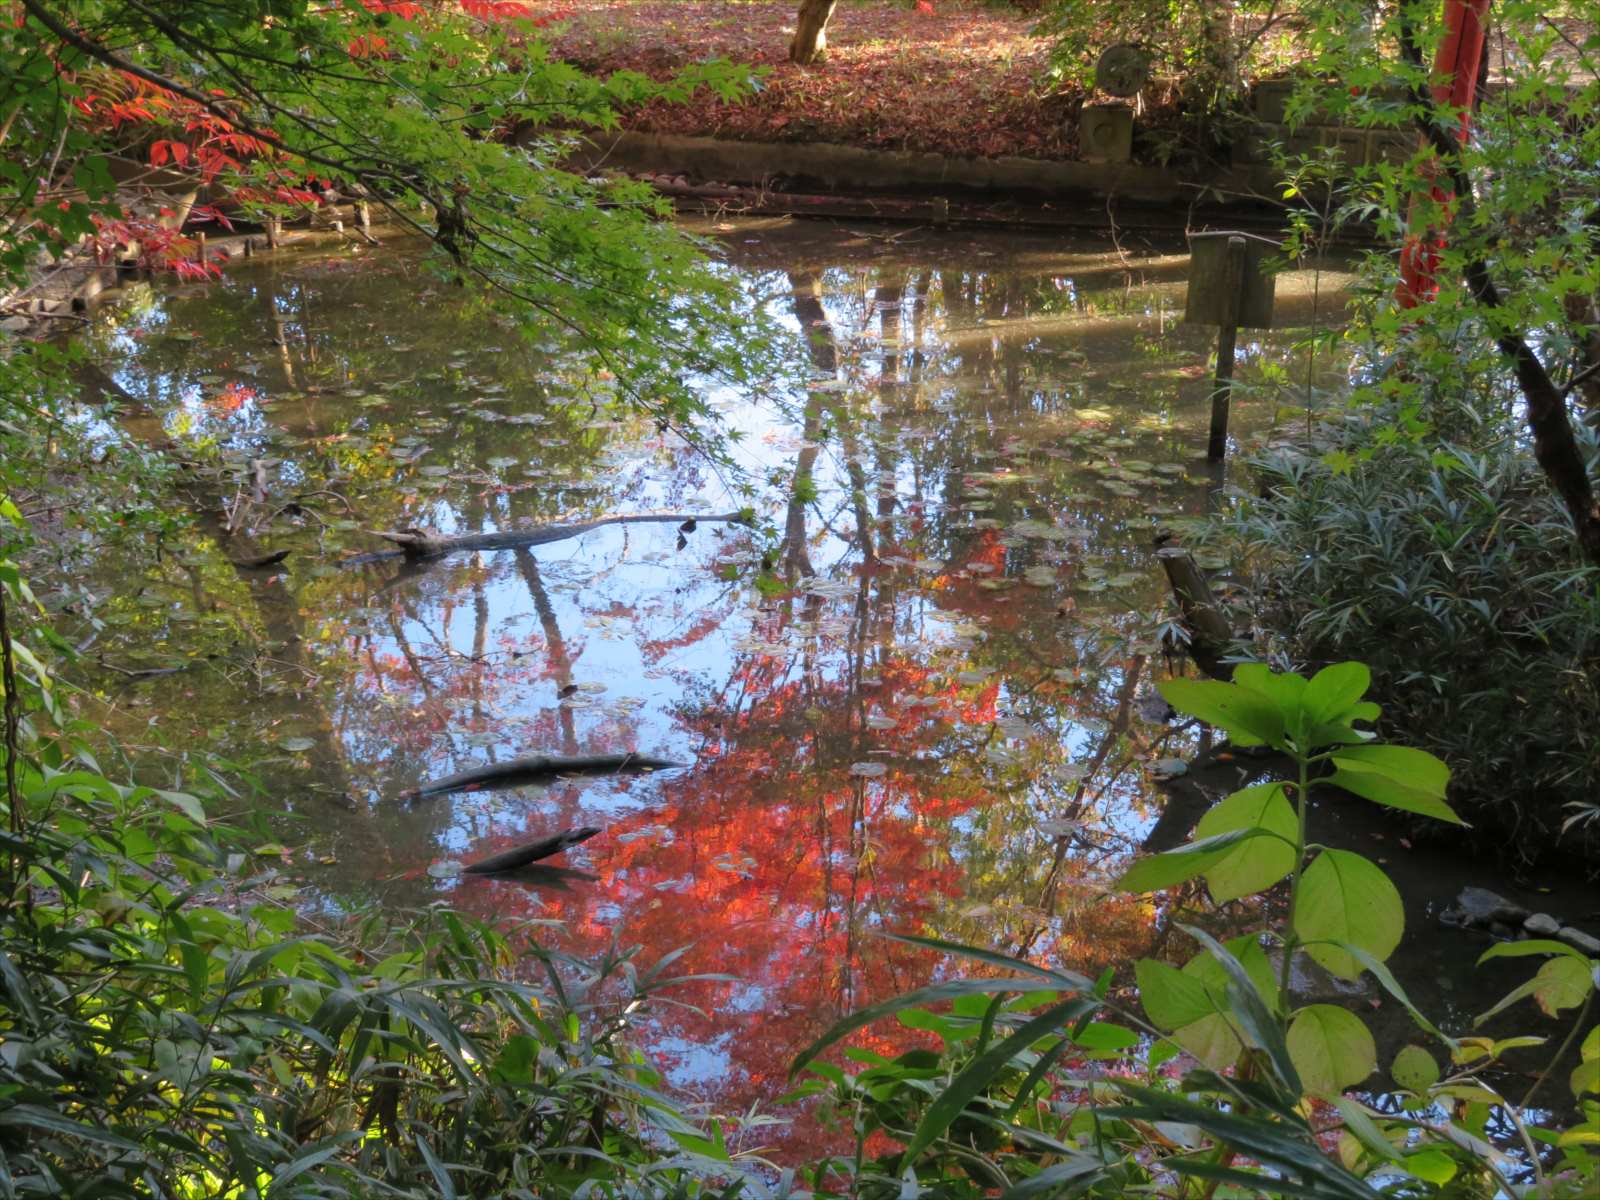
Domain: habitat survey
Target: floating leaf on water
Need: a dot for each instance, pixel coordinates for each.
(1040, 576)
(1059, 828)
(297, 745)
(868, 770)
(996, 585)
(435, 470)
(501, 461)
(446, 868)
(879, 721)
(1168, 768)
(974, 676)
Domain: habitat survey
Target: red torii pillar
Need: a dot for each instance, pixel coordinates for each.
(1455, 82)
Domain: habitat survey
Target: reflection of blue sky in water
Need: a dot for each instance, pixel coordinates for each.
(1007, 450)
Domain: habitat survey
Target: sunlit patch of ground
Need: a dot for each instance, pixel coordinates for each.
(962, 79)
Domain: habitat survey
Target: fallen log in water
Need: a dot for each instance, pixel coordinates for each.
(1210, 635)
(521, 856)
(539, 766)
(421, 544)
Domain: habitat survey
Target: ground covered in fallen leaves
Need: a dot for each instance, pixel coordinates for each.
(954, 78)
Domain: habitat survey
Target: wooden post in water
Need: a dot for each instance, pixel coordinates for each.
(1227, 343)
(1228, 288)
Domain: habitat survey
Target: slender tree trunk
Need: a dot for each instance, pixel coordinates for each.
(811, 31)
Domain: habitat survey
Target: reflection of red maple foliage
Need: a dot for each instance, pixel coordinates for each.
(777, 866)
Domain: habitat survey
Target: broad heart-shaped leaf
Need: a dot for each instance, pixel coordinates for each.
(1414, 1069)
(1249, 718)
(1334, 691)
(1331, 1048)
(1398, 776)
(1345, 898)
(1171, 998)
(1257, 864)
(1248, 990)
(1174, 866)
(1195, 1003)
(1284, 689)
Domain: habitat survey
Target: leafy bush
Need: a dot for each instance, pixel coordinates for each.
(1034, 1096)
(171, 1027)
(1450, 568)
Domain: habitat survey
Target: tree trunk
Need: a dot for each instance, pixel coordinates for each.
(811, 31)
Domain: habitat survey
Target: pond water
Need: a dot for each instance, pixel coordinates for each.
(914, 697)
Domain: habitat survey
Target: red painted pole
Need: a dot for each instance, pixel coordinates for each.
(1455, 83)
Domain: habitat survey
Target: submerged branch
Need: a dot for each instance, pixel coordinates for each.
(420, 544)
(521, 856)
(539, 766)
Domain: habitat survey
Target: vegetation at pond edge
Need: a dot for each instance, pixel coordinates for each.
(1413, 523)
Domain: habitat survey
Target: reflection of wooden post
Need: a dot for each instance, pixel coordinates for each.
(1210, 635)
(274, 231)
(1227, 340)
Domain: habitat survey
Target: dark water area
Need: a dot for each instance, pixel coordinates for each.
(929, 712)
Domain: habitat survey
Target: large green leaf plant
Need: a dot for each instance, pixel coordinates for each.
(1034, 1093)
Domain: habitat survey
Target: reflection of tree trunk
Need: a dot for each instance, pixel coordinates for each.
(824, 351)
(814, 324)
(276, 606)
(796, 552)
(1115, 730)
(555, 645)
(811, 31)
(280, 337)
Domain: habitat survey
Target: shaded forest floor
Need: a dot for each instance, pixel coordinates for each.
(962, 79)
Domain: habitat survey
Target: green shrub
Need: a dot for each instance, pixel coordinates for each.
(1035, 1096)
(170, 1026)
(1451, 569)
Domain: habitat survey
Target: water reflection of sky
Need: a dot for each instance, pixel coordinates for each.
(939, 734)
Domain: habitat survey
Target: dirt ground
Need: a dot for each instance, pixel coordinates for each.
(961, 79)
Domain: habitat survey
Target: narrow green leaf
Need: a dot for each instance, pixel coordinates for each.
(1066, 979)
(1363, 1128)
(965, 1087)
(1249, 1007)
(47, 1120)
(926, 995)
(447, 1187)
(1531, 946)
(1076, 1169)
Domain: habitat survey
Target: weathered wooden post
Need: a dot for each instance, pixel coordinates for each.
(1228, 289)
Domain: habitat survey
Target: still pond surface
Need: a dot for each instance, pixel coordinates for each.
(916, 697)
